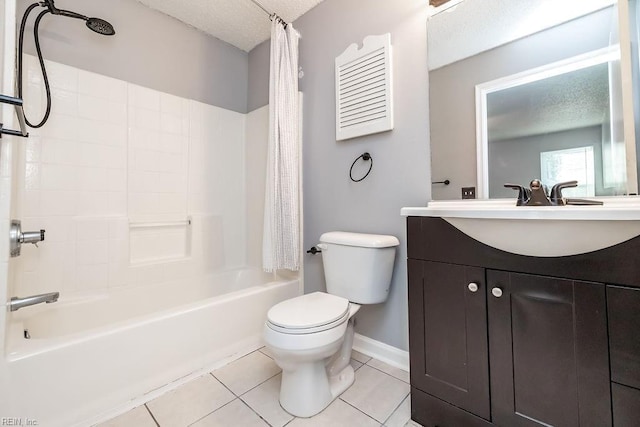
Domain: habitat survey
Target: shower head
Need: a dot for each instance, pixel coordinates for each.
(100, 26)
(97, 25)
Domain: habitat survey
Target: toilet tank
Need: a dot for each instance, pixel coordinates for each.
(358, 266)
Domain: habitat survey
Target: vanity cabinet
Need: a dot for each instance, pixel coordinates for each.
(511, 340)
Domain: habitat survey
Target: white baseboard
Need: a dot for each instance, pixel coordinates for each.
(384, 352)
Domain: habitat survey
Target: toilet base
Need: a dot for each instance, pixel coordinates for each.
(310, 387)
(317, 397)
(339, 383)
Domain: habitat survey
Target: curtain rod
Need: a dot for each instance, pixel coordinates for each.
(272, 15)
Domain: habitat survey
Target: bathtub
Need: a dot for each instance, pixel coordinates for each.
(92, 357)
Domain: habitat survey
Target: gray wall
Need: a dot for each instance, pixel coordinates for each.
(258, 86)
(149, 49)
(452, 92)
(400, 175)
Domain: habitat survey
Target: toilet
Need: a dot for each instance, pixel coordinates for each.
(311, 336)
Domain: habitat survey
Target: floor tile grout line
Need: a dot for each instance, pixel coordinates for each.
(371, 366)
(360, 410)
(215, 410)
(239, 396)
(364, 363)
(260, 350)
(254, 411)
(152, 416)
(224, 385)
(290, 421)
(258, 385)
(247, 403)
(386, 373)
(251, 352)
(397, 407)
(394, 410)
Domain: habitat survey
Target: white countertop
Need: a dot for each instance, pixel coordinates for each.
(613, 209)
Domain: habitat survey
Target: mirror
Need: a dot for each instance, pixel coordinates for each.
(452, 102)
(559, 122)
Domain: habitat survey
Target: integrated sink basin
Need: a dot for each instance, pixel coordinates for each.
(544, 231)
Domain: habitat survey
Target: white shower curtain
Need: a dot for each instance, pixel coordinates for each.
(281, 239)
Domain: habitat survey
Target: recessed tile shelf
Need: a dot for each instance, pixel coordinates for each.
(159, 241)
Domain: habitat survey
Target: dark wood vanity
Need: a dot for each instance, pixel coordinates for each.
(510, 340)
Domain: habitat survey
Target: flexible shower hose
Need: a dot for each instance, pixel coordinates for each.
(42, 67)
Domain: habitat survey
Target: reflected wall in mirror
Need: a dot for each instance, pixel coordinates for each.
(452, 89)
(559, 122)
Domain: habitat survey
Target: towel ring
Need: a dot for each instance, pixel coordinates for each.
(365, 157)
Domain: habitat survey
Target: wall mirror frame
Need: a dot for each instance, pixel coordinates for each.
(539, 75)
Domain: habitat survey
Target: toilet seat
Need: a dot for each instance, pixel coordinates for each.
(308, 313)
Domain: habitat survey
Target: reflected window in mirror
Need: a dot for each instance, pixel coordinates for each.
(568, 165)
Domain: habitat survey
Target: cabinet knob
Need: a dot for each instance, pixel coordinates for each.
(497, 292)
(473, 287)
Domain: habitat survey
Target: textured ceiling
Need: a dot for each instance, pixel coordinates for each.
(237, 22)
(568, 101)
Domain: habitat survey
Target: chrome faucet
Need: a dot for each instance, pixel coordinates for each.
(17, 303)
(536, 195)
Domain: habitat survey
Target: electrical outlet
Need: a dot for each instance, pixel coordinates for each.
(468, 192)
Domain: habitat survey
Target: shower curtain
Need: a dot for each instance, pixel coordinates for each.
(281, 239)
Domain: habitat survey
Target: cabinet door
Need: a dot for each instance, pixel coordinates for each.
(548, 351)
(448, 334)
(624, 335)
(626, 406)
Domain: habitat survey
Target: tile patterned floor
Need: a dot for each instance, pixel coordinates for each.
(244, 393)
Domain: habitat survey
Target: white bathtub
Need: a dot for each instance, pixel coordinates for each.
(87, 358)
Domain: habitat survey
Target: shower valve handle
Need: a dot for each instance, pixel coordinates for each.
(32, 237)
(17, 237)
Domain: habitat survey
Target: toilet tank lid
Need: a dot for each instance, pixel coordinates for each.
(359, 239)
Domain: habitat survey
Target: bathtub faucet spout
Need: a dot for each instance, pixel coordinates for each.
(17, 303)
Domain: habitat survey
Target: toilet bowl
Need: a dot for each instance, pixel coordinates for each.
(311, 336)
(314, 354)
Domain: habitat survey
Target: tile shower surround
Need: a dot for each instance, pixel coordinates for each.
(114, 153)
